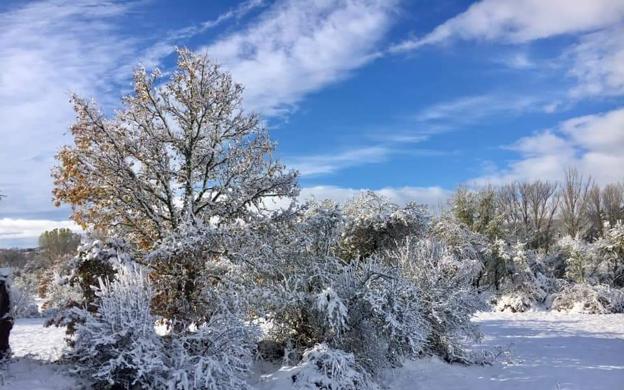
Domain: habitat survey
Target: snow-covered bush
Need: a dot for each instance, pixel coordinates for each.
(309, 296)
(22, 296)
(598, 262)
(580, 259)
(23, 303)
(459, 241)
(374, 224)
(216, 355)
(96, 261)
(610, 248)
(448, 298)
(584, 298)
(325, 368)
(324, 222)
(364, 308)
(526, 286)
(117, 344)
(191, 274)
(59, 295)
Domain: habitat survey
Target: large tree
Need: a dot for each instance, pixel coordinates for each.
(180, 149)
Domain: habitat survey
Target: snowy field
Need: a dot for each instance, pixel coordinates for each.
(550, 351)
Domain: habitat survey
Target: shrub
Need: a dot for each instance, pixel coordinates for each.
(23, 304)
(583, 298)
(373, 224)
(325, 368)
(448, 298)
(117, 343)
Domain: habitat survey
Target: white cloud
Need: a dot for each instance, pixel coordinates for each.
(517, 21)
(431, 196)
(598, 63)
(297, 47)
(473, 109)
(593, 144)
(28, 230)
(153, 56)
(47, 50)
(518, 60)
(330, 163)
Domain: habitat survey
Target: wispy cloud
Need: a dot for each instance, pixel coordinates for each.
(598, 63)
(47, 50)
(154, 54)
(519, 21)
(468, 110)
(438, 118)
(517, 60)
(329, 163)
(297, 47)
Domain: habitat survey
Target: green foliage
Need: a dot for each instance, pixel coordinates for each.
(57, 243)
(478, 211)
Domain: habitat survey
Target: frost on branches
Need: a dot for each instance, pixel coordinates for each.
(117, 344)
(447, 295)
(373, 224)
(96, 261)
(181, 146)
(325, 368)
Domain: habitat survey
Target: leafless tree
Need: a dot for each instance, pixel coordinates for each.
(613, 203)
(528, 210)
(575, 193)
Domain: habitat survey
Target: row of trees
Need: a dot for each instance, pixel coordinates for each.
(539, 213)
(540, 239)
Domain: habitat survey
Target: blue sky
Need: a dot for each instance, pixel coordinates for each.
(409, 98)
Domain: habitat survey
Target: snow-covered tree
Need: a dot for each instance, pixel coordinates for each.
(575, 195)
(526, 285)
(529, 210)
(610, 249)
(579, 257)
(478, 210)
(374, 224)
(179, 148)
(193, 273)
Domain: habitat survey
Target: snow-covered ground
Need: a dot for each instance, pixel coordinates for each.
(34, 349)
(550, 351)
